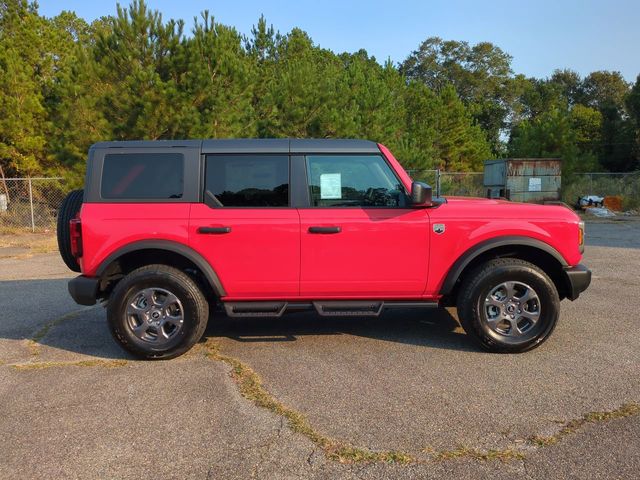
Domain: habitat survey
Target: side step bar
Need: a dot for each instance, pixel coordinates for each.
(341, 308)
(255, 309)
(348, 309)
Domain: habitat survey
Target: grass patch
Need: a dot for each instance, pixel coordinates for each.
(541, 441)
(34, 348)
(78, 363)
(34, 342)
(627, 410)
(33, 242)
(503, 455)
(251, 388)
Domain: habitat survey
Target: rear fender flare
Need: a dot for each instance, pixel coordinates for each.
(170, 246)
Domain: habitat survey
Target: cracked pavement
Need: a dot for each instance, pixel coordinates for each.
(407, 381)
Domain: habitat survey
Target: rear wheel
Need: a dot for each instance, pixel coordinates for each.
(68, 210)
(157, 312)
(508, 306)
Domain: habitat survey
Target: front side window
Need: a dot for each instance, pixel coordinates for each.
(248, 180)
(143, 176)
(353, 181)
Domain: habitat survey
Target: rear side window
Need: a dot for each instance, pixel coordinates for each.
(143, 176)
(248, 180)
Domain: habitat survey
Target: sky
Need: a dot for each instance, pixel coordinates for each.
(541, 35)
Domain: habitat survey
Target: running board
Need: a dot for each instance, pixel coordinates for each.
(255, 309)
(349, 308)
(335, 308)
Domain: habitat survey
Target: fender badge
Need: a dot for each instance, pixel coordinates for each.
(438, 228)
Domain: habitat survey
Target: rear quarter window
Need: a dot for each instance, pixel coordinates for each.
(143, 176)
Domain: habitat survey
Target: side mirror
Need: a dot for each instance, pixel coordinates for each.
(420, 194)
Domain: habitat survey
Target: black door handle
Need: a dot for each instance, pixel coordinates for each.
(325, 230)
(214, 230)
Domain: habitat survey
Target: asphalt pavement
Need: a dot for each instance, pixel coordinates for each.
(406, 395)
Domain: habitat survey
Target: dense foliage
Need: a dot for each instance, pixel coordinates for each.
(65, 84)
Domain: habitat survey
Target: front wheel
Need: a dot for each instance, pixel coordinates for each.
(157, 312)
(508, 306)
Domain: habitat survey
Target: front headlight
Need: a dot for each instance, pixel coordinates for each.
(581, 236)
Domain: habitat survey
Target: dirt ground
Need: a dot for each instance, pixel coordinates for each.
(21, 243)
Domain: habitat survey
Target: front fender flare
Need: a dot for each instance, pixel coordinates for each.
(467, 257)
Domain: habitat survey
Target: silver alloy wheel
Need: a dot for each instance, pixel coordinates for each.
(512, 308)
(154, 315)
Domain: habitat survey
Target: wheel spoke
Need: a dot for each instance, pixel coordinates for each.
(510, 289)
(514, 331)
(136, 310)
(526, 296)
(141, 329)
(533, 316)
(169, 300)
(490, 300)
(494, 322)
(174, 319)
(162, 337)
(149, 297)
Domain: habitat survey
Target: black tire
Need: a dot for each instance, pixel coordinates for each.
(68, 210)
(194, 309)
(476, 307)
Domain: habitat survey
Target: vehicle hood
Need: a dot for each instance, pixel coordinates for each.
(497, 208)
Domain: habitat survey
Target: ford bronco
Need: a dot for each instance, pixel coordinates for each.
(164, 230)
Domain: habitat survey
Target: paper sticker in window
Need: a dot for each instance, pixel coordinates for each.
(330, 186)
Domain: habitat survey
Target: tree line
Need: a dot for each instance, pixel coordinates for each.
(66, 83)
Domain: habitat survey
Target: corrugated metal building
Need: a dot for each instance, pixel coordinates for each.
(534, 180)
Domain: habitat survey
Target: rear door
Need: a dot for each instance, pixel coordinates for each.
(360, 236)
(245, 228)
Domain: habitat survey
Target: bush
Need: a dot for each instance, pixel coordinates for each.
(625, 185)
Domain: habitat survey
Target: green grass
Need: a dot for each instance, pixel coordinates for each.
(251, 388)
(34, 342)
(77, 363)
(627, 410)
(503, 455)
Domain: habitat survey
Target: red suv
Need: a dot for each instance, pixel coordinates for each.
(166, 229)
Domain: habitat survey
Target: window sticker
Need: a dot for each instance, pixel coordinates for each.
(330, 186)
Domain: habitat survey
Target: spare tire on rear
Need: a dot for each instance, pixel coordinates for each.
(68, 210)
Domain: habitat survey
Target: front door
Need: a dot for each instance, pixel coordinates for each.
(245, 228)
(360, 236)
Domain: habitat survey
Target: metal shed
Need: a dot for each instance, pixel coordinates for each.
(533, 180)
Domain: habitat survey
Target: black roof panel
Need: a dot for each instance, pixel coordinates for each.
(331, 145)
(148, 144)
(254, 145)
(246, 145)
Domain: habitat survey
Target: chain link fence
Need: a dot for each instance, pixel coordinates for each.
(465, 184)
(30, 204)
(471, 184)
(430, 177)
